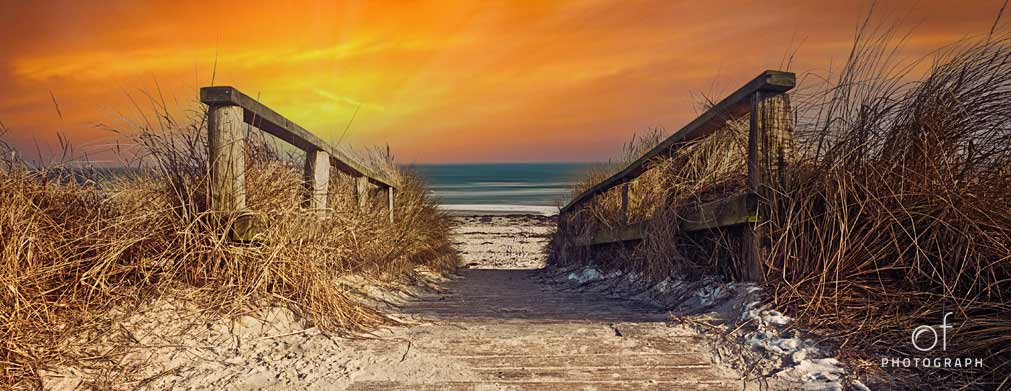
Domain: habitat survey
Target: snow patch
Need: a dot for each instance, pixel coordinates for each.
(793, 359)
(817, 374)
(710, 294)
(668, 285)
(770, 342)
(802, 359)
(586, 275)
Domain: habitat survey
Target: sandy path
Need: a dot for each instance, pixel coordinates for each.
(500, 326)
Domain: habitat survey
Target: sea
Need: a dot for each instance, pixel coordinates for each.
(469, 189)
(502, 188)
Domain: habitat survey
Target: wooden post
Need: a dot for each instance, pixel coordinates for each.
(226, 138)
(389, 193)
(362, 191)
(317, 178)
(770, 150)
(776, 149)
(228, 111)
(624, 202)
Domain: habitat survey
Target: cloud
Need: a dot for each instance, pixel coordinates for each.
(438, 81)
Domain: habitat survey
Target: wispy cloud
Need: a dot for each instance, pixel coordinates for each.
(437, 81)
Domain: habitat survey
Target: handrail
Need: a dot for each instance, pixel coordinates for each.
(729, 108)
(769, 150)
(229, 110)
(262, 117)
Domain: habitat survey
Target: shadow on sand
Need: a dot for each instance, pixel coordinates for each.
(524, 294)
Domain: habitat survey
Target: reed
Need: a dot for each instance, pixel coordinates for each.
(73, 248)
(897, 210)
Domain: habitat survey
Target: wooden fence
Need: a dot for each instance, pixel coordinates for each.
(769, 152)
(228, 113)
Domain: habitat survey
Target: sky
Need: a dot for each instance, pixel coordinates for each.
(439, 82)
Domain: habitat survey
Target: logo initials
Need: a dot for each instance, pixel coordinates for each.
(924, 329)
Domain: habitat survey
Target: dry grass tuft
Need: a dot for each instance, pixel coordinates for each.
(75, 245)
(897, 211)
(701, 172)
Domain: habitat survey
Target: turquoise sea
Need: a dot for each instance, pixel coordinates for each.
(502, 187)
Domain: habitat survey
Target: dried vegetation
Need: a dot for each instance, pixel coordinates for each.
(78, 244)
(896, 210)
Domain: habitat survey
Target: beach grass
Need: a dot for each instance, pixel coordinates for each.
(76, 245)
(896, 211)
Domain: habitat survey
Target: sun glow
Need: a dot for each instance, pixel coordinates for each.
(438, 81)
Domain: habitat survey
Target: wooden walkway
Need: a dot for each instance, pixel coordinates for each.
(509, 330)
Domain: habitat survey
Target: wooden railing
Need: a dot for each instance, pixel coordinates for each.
(769, 151)
(229, 110)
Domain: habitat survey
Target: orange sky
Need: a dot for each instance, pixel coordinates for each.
(438, 81)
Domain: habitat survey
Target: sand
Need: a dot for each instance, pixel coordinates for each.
(500, 323)
(503, 242)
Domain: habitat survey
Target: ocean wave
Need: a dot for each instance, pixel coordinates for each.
(472, 185)
(498, 193)
(500, 209)
(525, 184)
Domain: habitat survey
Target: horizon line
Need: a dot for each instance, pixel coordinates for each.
(504, 162)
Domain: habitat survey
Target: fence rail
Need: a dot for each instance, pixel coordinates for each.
(769, 150)
(229, 110)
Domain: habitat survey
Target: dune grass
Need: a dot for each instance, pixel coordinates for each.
(75, 247)
(897, 209)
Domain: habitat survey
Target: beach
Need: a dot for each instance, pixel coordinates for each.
(511, 241)
(499, 323)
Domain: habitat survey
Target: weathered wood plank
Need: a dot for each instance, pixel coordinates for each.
(734, 210)
(625, 233)
(317, 178)
(601, 385)
(389, 195)
(770, 150)
(227, 143)
(774, 150)
(262, 117)
(557, 347)
(362, 190)
(673, 372)
(731, 107)
(585, 360)
(624, 203)
(737, 209)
